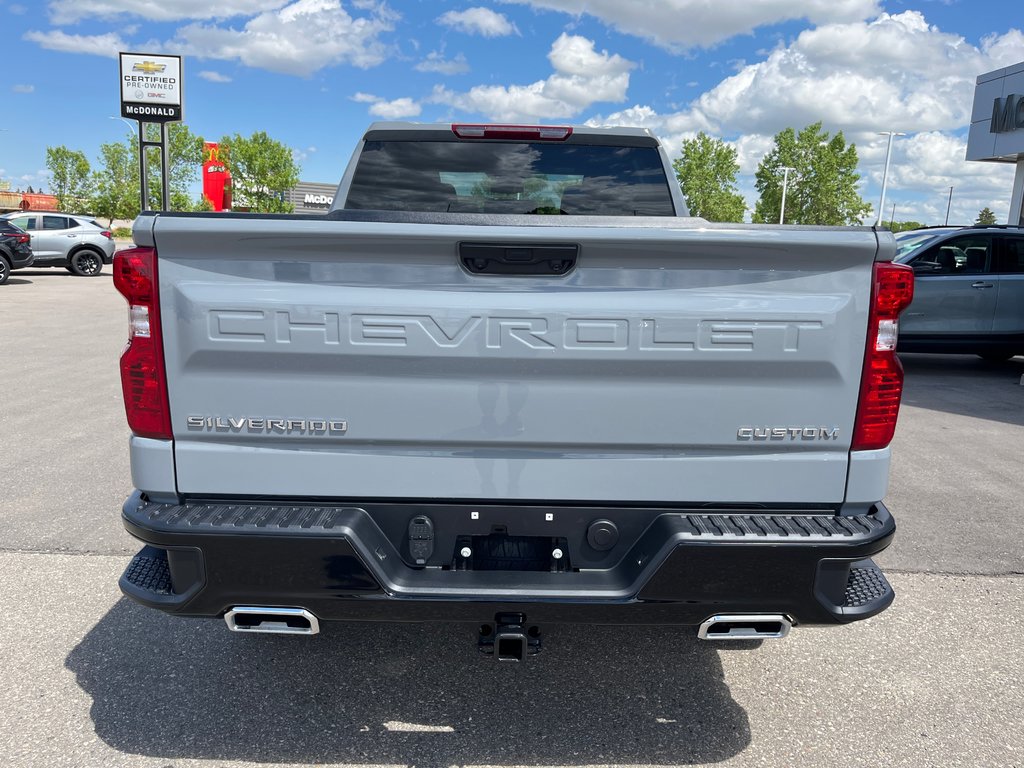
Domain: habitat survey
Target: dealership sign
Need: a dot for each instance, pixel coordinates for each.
(1007, 114)
(151, 87)
(318, 200)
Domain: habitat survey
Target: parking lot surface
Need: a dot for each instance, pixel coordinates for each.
(88, 678)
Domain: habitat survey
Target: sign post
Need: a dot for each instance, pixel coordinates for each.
(151, 93)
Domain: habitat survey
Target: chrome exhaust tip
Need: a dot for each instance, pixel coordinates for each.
(745, 626)
(273, 621)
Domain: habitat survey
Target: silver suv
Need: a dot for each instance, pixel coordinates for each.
(78, 243)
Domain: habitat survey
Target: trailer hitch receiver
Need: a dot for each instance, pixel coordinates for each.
(509, 638)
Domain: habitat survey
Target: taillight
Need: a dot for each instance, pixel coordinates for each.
(881, 385)
(21, 238)
(107, 234)
(523, 132)
(143, 378)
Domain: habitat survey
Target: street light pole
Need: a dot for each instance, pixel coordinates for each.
(885, 173)
(131, 126)
(948, 205)
(785, 182)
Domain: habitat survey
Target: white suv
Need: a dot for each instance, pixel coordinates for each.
(78, 243)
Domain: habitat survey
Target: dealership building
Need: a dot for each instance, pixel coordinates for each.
(310, 197)
(997, 128)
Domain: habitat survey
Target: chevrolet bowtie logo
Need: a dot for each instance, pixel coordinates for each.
(149, 67)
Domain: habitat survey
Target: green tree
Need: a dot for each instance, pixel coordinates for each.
(262, 170)
(903, 226)
(69, 179)
(707, 172)
(116, 183)
(822, 186)
(985, 216)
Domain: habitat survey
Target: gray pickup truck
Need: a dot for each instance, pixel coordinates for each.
(508, 381)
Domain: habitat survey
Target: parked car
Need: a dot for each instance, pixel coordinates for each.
(15, 249)
(914, 239)
(80, 244)
(969, 291)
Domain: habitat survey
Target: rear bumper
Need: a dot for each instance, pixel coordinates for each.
(343, 562)
(21, 258)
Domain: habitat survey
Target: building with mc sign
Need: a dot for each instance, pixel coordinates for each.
(310, 197)
(997, 127)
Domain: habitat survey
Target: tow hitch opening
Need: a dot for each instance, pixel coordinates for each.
(510, 638)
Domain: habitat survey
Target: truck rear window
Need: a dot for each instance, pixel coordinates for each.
(519, 178)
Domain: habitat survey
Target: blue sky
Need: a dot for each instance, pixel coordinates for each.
(314, 73)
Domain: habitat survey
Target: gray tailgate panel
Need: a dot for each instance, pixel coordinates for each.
(626, 380)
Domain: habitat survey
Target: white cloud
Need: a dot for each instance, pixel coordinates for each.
(107, 44)
(926, 165)
(582, 77)
(396, 109)
(17, 9)
(389, 110)
(436, 62)
(70, 11)
(22, 88)
(299, 39)
(302, 155)
(894, 73)
(214, 77)
(37, 179)
(681, 24)
(478, 21)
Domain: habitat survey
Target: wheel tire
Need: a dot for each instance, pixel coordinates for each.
(5, 270)
(86, 263)
(69, 269)
(995, 357)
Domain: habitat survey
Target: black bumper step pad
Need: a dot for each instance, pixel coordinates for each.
(782, 526)
(866, 586)
(330, 520)
(152, 574)
(149, 572)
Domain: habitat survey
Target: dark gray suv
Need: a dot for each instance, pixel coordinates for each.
(78, 243)
(968, 291)
(15, 251)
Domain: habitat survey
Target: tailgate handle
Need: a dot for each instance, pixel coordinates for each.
(550, 260)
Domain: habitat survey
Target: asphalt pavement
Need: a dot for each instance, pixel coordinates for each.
(88, 678)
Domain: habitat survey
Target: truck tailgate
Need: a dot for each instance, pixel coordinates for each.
(347, 359)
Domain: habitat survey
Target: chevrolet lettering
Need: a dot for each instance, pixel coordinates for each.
(574, 402)
(496, 333)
